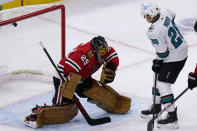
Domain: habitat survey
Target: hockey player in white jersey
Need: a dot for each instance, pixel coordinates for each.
(171, 55)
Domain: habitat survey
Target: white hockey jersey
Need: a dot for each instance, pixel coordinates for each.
(168, 42)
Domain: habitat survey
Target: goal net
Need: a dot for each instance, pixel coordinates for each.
(21, 55)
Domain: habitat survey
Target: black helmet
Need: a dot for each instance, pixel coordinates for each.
(97, 42)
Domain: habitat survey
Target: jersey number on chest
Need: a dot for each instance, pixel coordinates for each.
(85, 60)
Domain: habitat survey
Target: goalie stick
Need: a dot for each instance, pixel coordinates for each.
(151, 122)
(79, 105)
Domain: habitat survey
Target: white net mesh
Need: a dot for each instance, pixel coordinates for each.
(20, 50)
(7, 75)
(19, 11)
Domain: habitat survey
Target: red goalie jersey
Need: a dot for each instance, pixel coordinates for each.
(82, 60)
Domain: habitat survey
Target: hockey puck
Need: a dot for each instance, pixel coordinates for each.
(15, 24)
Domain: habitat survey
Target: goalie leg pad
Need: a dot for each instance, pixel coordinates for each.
(70, 87)
(107, 98)
(56, 114)
(124, 104)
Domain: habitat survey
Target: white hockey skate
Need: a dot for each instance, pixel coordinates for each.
(30, 121)
(148, 114)
(170, 121)
(173, 125)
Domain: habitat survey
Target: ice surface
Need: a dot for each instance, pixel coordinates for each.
(124, 28)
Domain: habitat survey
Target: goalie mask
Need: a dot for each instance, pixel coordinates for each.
(100, 47)
(149, 10)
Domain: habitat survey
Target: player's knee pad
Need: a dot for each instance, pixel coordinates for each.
(65, 89)
(164, 88)
(69, 87)
(56, 114)
(167, 95)
(107, 98)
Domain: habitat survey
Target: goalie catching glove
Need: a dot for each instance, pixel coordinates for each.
(45, 115)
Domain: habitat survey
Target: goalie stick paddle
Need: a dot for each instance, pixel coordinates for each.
(87, 117)
(79, 105)
(151, 122)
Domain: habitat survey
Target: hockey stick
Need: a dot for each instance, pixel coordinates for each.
(154, 89)
(150, 123)
(79, 105)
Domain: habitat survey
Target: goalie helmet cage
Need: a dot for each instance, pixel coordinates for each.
(20, 50)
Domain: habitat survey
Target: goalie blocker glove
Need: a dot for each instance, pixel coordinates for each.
(192, 80)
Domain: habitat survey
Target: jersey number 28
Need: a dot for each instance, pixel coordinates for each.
(173, 33)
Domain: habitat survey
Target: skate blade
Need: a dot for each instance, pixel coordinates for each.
(31, 124)
(169, 126)
(149, 117)
(146, 117)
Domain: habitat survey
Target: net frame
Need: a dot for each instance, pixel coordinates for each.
(35, 74)
(43, 11)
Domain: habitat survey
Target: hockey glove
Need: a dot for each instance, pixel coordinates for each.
(192, 80)
(195, 26)
(157, 64)
(107, 76)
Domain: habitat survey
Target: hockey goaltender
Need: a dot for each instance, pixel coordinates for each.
(77, 69)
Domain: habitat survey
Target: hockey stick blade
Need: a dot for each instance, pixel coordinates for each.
(151, 122)
(98, 121)
(87, 117)
(150, 125)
